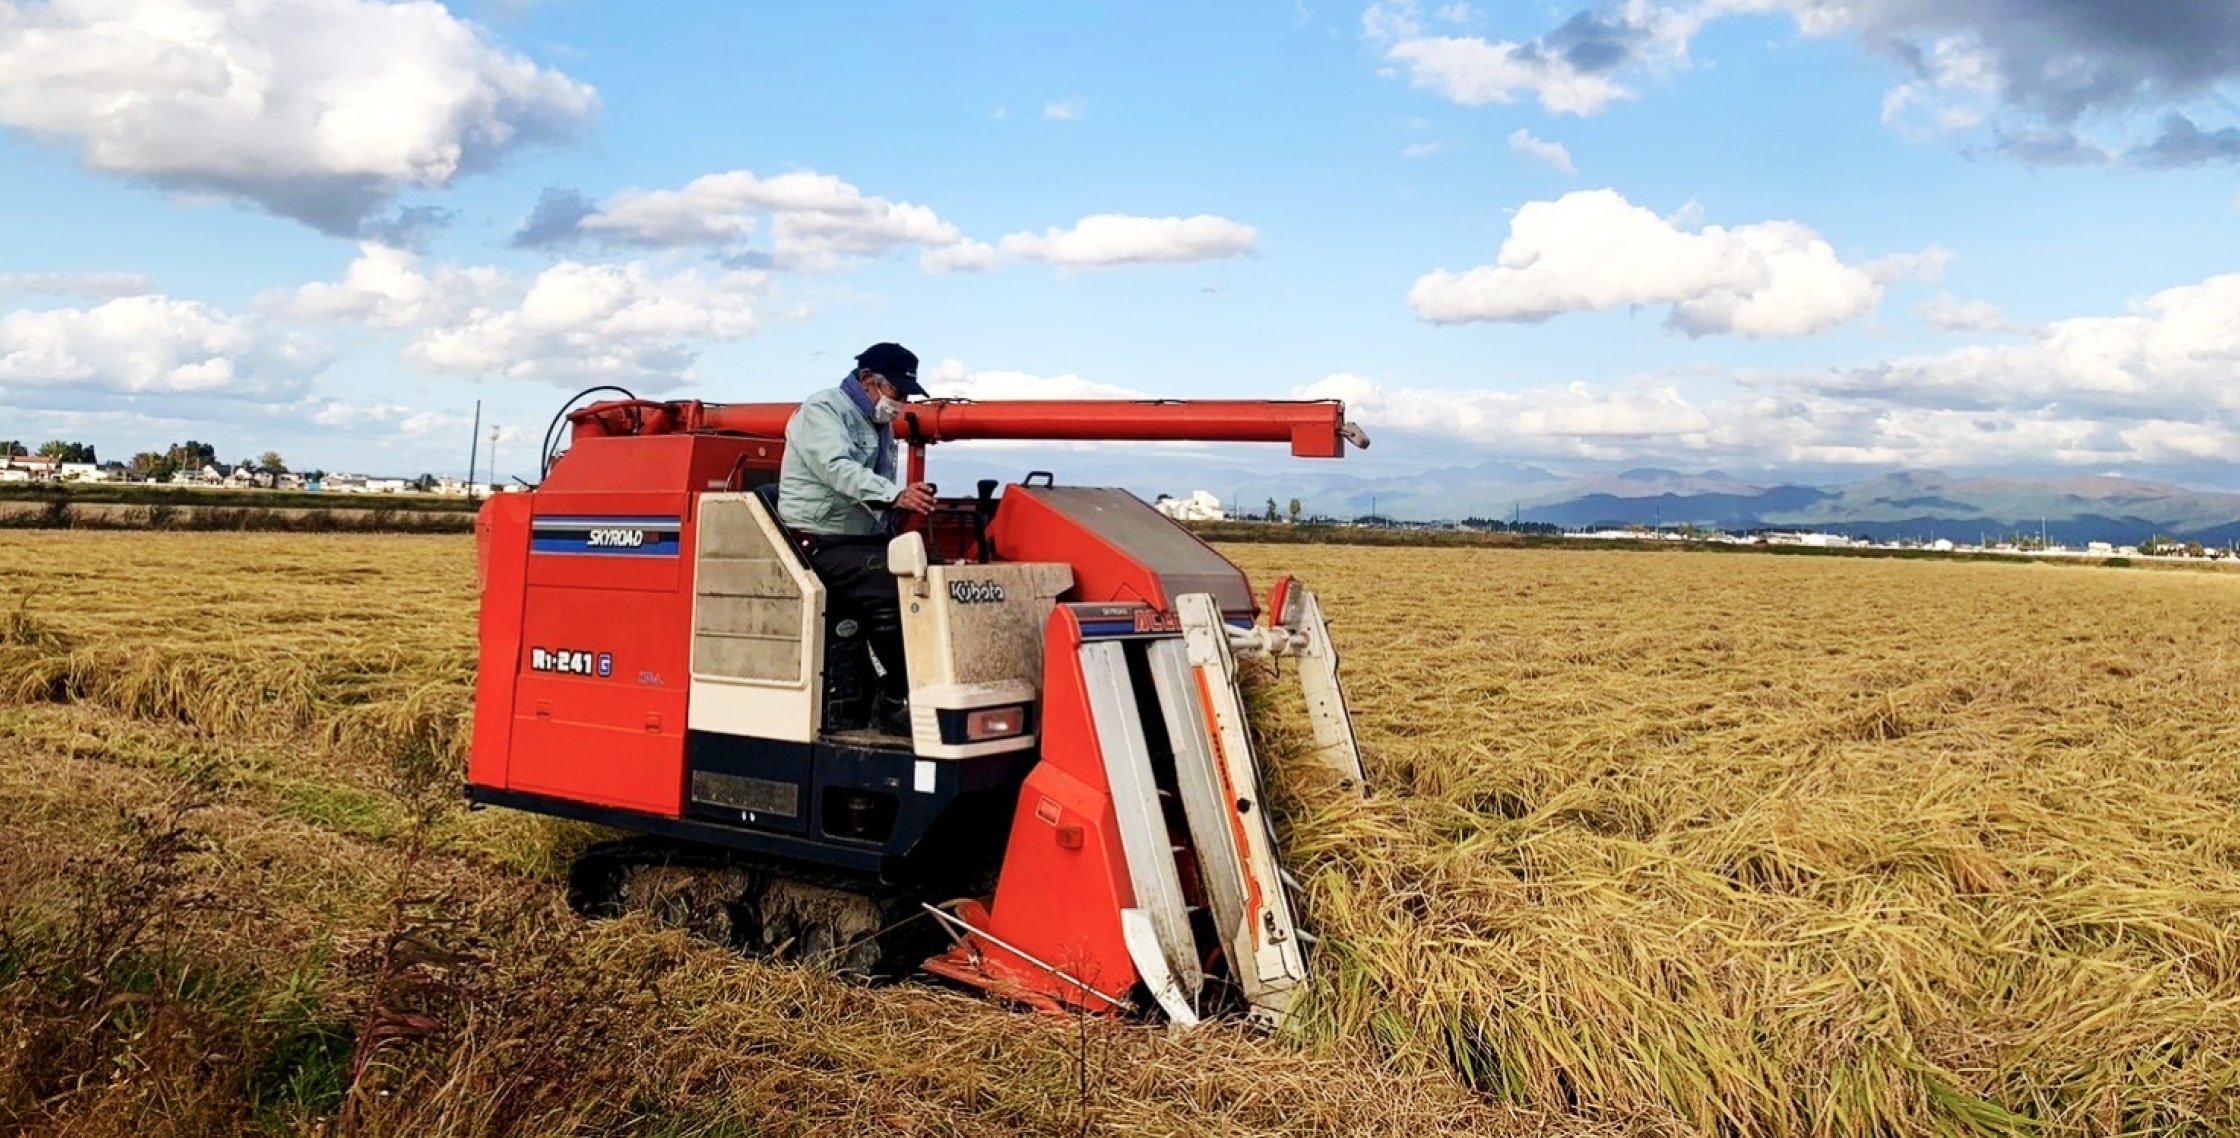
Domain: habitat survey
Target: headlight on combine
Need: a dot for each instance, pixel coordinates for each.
(995, 723)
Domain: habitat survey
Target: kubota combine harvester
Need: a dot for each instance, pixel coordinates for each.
(1077, 805)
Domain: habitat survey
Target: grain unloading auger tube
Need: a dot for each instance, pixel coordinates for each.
(1192, 872)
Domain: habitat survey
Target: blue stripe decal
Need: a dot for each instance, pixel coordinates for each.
(608, 537)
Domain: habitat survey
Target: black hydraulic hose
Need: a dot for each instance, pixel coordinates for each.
(545, 456)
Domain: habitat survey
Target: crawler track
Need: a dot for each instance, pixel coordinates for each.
(783, 913)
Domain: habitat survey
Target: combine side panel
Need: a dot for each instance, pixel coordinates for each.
(1055, 933)
(1262, 939)
(502, 549)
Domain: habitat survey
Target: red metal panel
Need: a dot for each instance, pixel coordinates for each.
(1029, 527)
(1065, 877)
(615, 739)
(603, 720)
(501, 554)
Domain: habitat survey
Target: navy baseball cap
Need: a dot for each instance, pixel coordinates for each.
(897, 363)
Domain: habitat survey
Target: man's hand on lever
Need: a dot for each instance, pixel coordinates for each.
(916, 498)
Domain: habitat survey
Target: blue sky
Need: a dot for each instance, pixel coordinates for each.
(1823, 238)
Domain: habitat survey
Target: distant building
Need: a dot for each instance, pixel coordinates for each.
(35, 468)
(1200, 506)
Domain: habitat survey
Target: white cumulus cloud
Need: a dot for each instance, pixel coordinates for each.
(1120, 239)
(1549, 154)
(2055, 82)
(2174, 355)
(152, 345)
(1593, 250)
(813, 222)
(317, 110)
(1578, 419)
(966, 256)
(99, 286)
(1474, 72)
(1949, 313)
(1570, 71)
(386, 288)
(2171, 439)
(951, 379)
(573, 322)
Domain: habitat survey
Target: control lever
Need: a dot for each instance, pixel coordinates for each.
(985, 514)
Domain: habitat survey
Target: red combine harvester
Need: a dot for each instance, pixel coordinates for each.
(1077, 805)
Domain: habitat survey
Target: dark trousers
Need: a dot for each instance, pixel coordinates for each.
(858, 586)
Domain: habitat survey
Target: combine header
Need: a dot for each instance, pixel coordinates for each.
(1077, 804)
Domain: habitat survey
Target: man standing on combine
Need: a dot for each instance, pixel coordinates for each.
(838, 494)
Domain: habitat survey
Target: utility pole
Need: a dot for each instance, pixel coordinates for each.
(493, 458)
(1374, 519)
(474, 442)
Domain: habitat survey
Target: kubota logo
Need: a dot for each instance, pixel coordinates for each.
(976, 592)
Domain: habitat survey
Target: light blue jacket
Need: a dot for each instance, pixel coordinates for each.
(836, 478)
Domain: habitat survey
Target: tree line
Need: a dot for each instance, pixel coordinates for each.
(156, 466)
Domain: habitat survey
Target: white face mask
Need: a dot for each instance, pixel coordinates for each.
(886, 410)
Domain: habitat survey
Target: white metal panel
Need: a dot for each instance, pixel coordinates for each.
(1276, 965)
(1147, 949)
(1149, 849)
(789, 714)
(1334, 741)
(738, 528)
(1206, 800)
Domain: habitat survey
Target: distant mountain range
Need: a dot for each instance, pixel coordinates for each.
(1908, 504)
(1915, 504)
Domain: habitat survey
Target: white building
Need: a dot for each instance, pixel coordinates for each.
(1815, 540)
(1200, 506)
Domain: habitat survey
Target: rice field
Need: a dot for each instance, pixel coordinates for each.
(1661, 844)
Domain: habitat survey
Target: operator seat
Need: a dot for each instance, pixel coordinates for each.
(847, 651)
